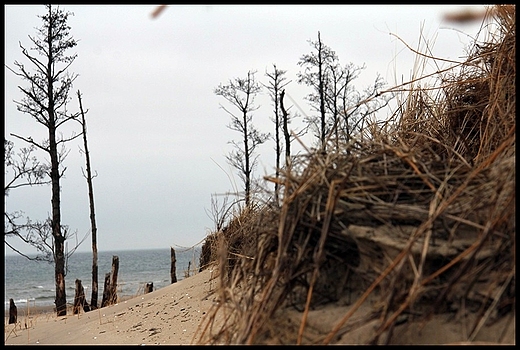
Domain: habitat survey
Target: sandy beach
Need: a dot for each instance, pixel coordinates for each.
(170, 315)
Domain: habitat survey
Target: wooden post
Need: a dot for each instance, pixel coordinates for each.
(79, 294)
(148, 288)
(80, 302)
(13, 311)
(106, 290)
(110, 292)
(173, 273)
(113, 283)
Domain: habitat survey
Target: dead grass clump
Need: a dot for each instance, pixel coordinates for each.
(474, 109)
(410, 223)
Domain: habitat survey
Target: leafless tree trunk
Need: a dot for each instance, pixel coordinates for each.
(276, 84)
(173, 268)
(94, 296)
(321, 90)
(286, 134)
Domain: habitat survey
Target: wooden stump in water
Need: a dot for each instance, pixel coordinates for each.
(173, 273)
(13, 311)
(148, 288)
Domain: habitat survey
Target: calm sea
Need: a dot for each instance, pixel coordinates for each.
(32, 282)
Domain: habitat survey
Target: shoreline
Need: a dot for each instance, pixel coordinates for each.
(36, 310)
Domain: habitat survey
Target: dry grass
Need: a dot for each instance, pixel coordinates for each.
(418, 215)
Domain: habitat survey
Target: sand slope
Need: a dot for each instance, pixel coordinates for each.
(170, 315)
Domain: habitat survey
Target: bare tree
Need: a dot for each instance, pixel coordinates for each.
(277, 81)
(45, 99)
(338, 84)
(315, 75)
(24, 169)
(36, 234)
(93, 226)
(241, 94)
(342, 108)
(356, 107)
(220, 212)
(342, 99)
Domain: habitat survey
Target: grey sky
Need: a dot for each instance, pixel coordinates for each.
(157, 135)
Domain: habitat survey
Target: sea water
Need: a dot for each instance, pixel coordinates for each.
(32, 282)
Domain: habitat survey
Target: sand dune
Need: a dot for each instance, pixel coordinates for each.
(170, 315)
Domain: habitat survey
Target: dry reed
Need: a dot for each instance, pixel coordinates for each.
(416, 214)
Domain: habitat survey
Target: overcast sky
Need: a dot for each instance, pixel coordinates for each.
(157, 133)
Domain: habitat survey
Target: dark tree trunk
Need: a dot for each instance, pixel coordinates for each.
(321, 91)
(59, 239)
(247, 156)
(173, 273)
(277, 141)
(285, 131)
(94, 296)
